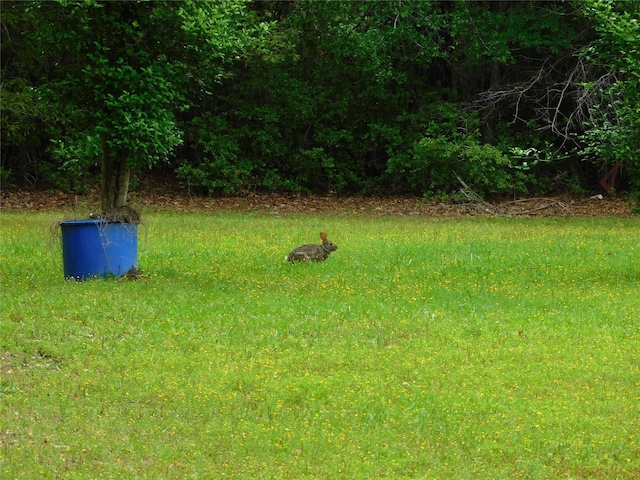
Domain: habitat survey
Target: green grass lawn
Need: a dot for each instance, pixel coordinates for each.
(422, 348)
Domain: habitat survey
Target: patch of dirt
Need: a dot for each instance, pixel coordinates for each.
(12, 362)
(278, 204)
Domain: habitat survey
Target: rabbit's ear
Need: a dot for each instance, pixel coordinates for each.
(323, 236)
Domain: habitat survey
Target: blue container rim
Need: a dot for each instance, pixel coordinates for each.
(92, 221)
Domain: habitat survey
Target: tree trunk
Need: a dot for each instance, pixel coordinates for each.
(116, 175)
(108, 175)
(122, 184)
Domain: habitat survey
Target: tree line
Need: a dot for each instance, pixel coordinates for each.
(397, 96)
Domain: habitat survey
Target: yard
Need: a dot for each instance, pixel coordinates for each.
(422, 348)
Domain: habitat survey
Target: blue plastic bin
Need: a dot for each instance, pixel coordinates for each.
(98, 248)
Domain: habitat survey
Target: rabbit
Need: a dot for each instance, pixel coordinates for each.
(313, 252)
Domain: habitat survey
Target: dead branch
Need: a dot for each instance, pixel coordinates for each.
(509, 209)
(562, 102)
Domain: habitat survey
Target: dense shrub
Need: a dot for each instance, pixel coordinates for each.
(218, 165)
(436, 163)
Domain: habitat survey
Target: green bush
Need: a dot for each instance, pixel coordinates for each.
(218, 166)
(614, 132)
(72, 162)
(6, 177)
(435, 163)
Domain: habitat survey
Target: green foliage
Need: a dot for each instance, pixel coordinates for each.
(24, 123)
(6, 178)
(125, 95)
(452, 148)
(73, 162)
(614, 133)
(545, 169)
(220, 168)
(498, 32)
(319, 170)
(437, 162)
(22, 114)
(136, 113)
(321, 96)
(129, 70)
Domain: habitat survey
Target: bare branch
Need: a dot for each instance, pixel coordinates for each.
(561, 101)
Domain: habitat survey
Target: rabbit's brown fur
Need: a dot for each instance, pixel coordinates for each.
(312, 252)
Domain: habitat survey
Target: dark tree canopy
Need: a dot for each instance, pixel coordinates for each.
(514, 97)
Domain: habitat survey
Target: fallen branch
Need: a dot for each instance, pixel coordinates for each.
(506, 209)
(554, 203)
